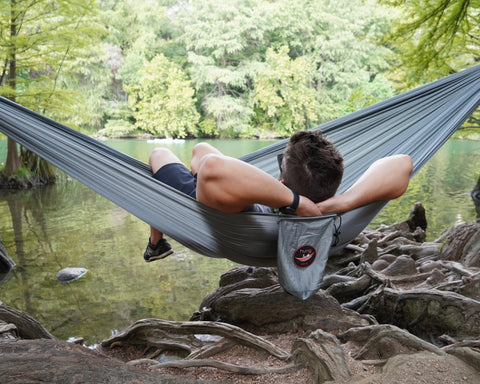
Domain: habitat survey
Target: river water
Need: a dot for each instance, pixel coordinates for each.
(68, 225)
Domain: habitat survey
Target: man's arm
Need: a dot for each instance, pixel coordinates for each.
(230, 185)
(385, 179)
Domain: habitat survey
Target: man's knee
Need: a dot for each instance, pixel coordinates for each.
(408, 163)
(210, 167)
(160, 157)
(214, 188)
(199, 151)
(158, 154)
(202, 148)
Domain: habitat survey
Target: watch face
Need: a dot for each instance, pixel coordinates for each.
(287, 210)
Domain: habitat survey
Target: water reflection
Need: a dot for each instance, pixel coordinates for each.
(71, 226)
(443, 187)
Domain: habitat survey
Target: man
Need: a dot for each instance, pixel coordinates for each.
(311, 171)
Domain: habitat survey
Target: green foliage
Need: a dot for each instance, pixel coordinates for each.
(208, 128)
(331, 51)
(377, 90)
(118, 128)
(345, 51)
(223, 41)
(130, 70)
(23, 173)
(39, 41)
(232, 115)
(91, 77)
(136, 27)
(434, 38)
(41, 38)
(164, 100)
(283, 91)
(255, 66)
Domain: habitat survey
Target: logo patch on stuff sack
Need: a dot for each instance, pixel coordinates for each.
(304, 256)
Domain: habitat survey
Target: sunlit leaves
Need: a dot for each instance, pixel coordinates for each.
(46, 38)
(227, 50)
(435, 38)
(328, 50)
(283, 91)
(164, 100)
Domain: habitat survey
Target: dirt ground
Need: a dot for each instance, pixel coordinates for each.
(420, 368)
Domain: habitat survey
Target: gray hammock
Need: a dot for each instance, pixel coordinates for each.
(417, 123)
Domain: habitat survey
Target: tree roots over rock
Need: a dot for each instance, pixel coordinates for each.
(392, 309)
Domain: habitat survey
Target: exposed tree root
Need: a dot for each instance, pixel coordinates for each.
(154, 332)
(241, 370)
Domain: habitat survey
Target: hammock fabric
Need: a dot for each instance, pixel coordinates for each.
(416, 123)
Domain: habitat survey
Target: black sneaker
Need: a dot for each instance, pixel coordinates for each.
(159, 251)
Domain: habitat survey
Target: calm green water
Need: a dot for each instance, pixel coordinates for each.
(68, 225)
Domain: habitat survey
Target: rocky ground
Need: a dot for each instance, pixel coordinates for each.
(392, 309)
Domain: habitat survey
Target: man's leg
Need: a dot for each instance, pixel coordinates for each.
(199, 152)
(160, 157)
(158, 247)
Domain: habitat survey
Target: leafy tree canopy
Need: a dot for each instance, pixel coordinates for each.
(256, 67)
(283, 91)
(163, 100)
(433, 38)
(40, 39)
(230, 53)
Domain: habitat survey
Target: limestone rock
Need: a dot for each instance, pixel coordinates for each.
(67, 275)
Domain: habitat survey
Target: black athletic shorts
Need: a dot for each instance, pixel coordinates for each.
(179, 177)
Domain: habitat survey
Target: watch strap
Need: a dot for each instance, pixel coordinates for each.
(292, 208)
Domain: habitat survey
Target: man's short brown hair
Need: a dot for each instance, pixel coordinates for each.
(312, 166)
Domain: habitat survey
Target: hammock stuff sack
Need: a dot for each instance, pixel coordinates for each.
(303, 246)
(417, 123)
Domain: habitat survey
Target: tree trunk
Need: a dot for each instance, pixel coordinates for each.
(13, 159)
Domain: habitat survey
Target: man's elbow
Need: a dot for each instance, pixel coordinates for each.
(406, 166)
(404, 169)
(409, 163)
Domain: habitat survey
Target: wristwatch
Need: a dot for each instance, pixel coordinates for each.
(292, 208)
